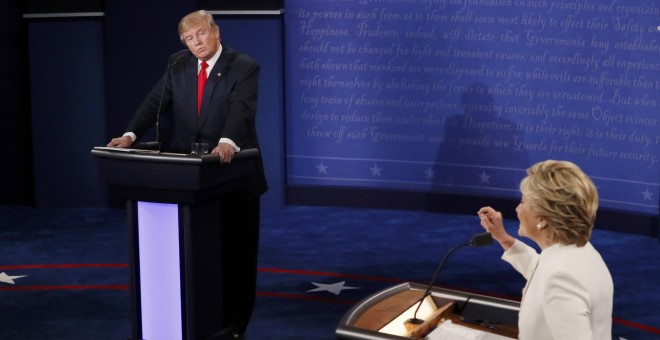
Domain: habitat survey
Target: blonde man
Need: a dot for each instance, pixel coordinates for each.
(220, 111)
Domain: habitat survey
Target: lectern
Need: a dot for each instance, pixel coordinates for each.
(493, 318)
(173, 214)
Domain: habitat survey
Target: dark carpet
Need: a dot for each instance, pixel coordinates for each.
(71, 279)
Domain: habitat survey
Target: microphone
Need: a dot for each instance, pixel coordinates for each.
(178, 60)
(478, 240)
(481, 240)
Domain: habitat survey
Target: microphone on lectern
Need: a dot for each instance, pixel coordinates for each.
(478, 240)
(177, 60)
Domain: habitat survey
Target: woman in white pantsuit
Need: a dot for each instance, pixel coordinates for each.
(569, 289)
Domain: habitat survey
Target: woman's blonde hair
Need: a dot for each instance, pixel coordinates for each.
(565, 197)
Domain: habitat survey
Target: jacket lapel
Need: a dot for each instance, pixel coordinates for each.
(214, 83)
(190, 92)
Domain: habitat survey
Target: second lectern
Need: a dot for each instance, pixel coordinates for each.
(173, 214)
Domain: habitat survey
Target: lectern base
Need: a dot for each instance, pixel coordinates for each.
(176, 283)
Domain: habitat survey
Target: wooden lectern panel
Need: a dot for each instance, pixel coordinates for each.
(368, 319)
(387, 310)
(383, 312)
(444, 312)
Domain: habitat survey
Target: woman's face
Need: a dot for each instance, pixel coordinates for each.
(528, 220)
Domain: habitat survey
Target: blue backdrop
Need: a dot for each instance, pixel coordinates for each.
(462, 96)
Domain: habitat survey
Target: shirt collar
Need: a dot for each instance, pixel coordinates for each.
(211, 62)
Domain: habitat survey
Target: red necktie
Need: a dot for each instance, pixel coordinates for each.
(201, 81)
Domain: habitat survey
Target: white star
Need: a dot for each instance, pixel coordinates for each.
(375, 170)
(647, 194)
(322, 168)
(334, 288)
(9, 279)
(485, 178)
(429, 173)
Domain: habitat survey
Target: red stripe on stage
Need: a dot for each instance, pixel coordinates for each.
(306, 297)
(66, 287)
(317, 273)
(636, 325)
(616, 320)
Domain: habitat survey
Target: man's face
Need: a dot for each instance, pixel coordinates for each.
(203, 41)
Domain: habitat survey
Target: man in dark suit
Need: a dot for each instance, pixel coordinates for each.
(210, 91)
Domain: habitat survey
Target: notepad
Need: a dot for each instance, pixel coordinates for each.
(451, 331)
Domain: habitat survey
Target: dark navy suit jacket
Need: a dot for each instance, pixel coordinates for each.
(228, 108)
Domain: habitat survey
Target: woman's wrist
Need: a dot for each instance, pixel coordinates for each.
(505, 240)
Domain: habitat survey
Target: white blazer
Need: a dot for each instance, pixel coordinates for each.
(568, 294)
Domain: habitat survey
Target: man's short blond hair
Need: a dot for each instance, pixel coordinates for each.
(195, 18)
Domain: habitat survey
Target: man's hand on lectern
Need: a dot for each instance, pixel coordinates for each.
(225, 151)
(121, 142)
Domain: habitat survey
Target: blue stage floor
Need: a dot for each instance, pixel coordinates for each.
(69, 269)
